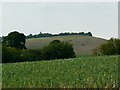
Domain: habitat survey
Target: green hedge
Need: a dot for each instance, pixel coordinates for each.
(10, 55)
(58, 50)
(55, 50)
(31, 55)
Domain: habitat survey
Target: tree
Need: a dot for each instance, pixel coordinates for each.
(89, 34)
(29, 36)
(81, 33)
(111, 47)
(16, 40)
(31, 55)
(57, 50)
(55, 41)
(10, 55)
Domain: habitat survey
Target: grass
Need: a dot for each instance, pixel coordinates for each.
(82, 72)
(83, 45)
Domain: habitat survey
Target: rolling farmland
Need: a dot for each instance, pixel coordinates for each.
(101, 72)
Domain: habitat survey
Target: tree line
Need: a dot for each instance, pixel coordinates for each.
(14, 50)
(60, 34)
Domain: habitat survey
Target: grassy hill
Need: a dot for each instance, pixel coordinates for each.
(83, 45)
(83, 72)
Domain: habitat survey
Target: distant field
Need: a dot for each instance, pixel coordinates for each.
(80, 72)
(83, 45)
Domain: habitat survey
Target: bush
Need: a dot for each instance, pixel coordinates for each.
(31, 55)
(10, 55)
(55, 41)
(111, 47)
(57, 50)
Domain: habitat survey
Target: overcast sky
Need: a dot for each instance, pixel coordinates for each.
(100, 18)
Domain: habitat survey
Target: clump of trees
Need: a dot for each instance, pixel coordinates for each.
(10, 54)
(15, 39)
(12, 45)
(40, 35)
(57, 50)
(14, 50)
(111, 47)
(31, 55)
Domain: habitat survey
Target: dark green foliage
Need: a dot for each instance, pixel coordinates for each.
(59, 50)
(15, 39)
(55, 50)
(10, 55)
(60, 34)
(112, 47)
(81, 33)
(89, 34)
(55, 41)
(31, 55)
(14, 50)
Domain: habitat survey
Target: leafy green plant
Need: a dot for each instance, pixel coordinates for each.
(111, 47)
(10, 55)
(57, 50)
(31, 55)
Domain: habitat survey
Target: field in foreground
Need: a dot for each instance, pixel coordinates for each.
(80, 72)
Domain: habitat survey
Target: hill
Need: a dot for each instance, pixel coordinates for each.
(83, 45)
(84, 72)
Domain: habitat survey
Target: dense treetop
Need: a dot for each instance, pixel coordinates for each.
(15, 39)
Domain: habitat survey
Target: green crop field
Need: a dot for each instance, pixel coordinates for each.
(99, 71)
(83, 45)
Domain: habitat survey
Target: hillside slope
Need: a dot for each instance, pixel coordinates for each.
(83, 45)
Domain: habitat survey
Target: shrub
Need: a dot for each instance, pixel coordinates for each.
(10, 55)
(58, 50)
(31, 55)
(55, 50)
(111, 47)
(55, 41)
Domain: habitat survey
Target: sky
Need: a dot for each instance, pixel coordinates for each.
(100, 18)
